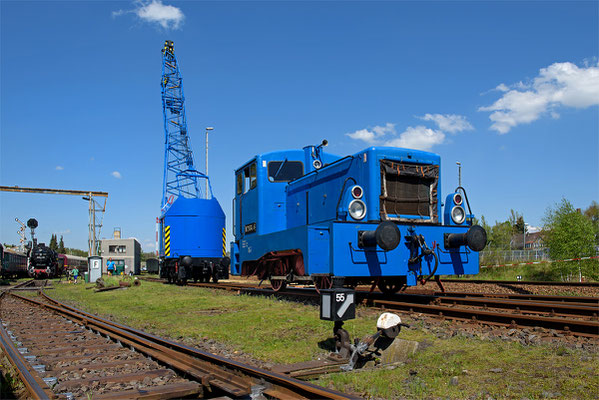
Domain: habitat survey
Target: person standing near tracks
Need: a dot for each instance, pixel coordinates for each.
(75, 274)
(110, 266)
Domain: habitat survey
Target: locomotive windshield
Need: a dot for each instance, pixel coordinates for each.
(285, 171)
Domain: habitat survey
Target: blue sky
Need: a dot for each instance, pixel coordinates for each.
(509, 89)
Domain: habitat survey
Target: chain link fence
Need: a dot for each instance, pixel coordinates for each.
(489, 257)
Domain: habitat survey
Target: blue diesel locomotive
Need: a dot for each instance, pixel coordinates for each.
(375, 217)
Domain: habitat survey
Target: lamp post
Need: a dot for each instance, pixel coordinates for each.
(524, 236)
(208, 129)
(459, 164)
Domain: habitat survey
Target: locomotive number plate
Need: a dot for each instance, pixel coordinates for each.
(250, 228)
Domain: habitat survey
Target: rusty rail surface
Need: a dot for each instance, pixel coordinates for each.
(228, 376)
(533, 283)
(37, 388)
(576, 300)
(19, 285)
(577, 327)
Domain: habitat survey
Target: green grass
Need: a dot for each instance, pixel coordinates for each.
(269, 329)
(538, 272)
(282, 332)
(527, 372)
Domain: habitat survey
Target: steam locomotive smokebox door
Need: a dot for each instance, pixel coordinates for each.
(337, 304)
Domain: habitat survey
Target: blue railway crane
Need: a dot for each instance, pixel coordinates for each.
(191, 227)
(180, 175)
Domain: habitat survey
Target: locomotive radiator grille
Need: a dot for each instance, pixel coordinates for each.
(409, 192)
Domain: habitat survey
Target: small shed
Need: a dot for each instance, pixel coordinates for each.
(94, 267)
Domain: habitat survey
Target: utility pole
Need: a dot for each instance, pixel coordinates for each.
(208, 129)
(459, 164)
(94, 207)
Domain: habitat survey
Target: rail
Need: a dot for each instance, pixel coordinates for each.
(230, 376)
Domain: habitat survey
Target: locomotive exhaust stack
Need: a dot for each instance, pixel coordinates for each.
(386, 235)
(475, 239)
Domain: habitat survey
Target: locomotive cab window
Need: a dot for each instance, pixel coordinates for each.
(239, 185)
(285, 171)
(246, 179)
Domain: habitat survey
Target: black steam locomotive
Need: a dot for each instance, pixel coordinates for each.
(43, 262)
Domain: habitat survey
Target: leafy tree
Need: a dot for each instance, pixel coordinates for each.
(517, 222)
(61, 248)
(592, 213)
(501, 235)
(147, 254)
(53, 244)
(569, 234)
(483, 222)
(76, 252)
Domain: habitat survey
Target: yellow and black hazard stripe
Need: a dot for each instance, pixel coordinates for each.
(224, 242)
(167, 241)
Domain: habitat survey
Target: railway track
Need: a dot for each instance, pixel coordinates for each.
(62, 352)
(532, 283)
(28, 284)
(570, 315)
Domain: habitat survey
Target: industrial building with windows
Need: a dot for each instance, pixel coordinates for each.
(126, 254)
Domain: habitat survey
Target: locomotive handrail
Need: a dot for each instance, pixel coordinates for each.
(320, 169)
(465, 197)
(351, 252)
(341, 195)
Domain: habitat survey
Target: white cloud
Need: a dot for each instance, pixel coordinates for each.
(373, 135)
(154, 12)
(502, 87)
(414, 137)
(451, 123)
(559, 85)
(116, 174)
(418, 137)
(59, 167)
(65, 232)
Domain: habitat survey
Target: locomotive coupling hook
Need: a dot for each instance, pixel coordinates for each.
(475, 238)
(386, 235)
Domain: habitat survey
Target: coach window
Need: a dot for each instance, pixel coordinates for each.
(285, 171)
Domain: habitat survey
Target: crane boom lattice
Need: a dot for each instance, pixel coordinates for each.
(180, 175)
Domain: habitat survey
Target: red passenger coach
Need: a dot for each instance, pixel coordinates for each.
(70, 262)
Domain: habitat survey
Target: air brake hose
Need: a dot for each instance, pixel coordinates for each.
(426, 251)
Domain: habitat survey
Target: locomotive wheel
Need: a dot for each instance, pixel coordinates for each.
(278, 284)
(322, 282)
(390, 286)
